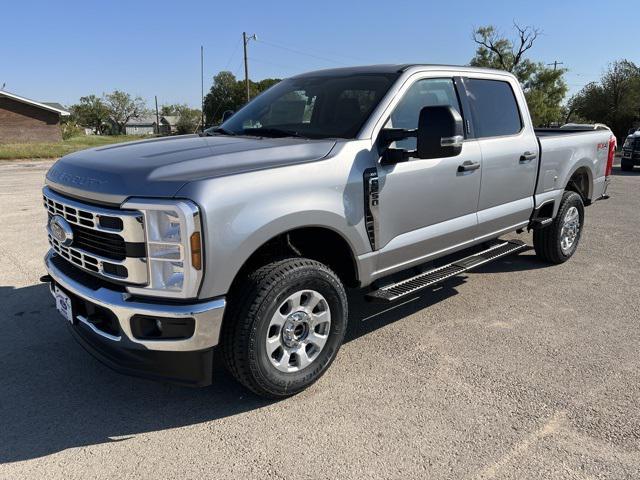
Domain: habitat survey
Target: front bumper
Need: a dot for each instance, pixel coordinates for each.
(186, 361)
(631, 156)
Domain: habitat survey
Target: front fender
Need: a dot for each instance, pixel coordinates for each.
(241, 213)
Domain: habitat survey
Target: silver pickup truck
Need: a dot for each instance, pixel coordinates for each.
(244, 238)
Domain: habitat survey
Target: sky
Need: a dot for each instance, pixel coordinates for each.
(61, 50)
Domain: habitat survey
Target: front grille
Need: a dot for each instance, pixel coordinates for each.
(106, 242)
(109, 245)
(73, 215)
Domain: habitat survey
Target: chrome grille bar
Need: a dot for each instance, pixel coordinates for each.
(90, 216)
(125, 224)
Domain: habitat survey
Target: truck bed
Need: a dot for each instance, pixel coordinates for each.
(565, 151)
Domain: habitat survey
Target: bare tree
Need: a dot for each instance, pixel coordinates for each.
(507, 55)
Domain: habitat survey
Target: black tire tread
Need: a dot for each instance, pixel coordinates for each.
(243, 307)
(545, 240)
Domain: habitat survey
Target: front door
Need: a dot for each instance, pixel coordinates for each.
(425, 206)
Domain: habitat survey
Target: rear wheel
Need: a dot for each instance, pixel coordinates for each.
(557, 242)
(286, 324)
(626, 165)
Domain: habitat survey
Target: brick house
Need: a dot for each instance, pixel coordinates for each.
(23, 120)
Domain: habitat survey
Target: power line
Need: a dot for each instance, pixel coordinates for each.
(233, 54)
(328, 55)
(299, 52)
(555, 64)
(269, 62)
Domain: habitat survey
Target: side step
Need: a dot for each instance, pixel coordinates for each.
(396, 291)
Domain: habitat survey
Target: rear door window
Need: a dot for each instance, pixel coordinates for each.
(493, 107)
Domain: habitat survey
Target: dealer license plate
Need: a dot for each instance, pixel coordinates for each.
(63, 304)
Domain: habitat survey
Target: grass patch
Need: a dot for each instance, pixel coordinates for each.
(12, 151)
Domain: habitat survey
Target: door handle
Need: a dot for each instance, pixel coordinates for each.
(468, 166)
(526, 157)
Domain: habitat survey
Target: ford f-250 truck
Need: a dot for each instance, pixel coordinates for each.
(245, 237)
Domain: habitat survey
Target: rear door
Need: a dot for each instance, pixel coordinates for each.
(509, 154)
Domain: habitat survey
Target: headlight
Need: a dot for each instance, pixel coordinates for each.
(174, 249)
(627, 143)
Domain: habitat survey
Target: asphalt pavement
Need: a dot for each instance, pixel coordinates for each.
(518, 370)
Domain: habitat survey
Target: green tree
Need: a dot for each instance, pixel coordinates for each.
(229, 93)
(168, 109)
(188, 119)
(90, 112)
(122, 107)
(544, 87)
(614, 100)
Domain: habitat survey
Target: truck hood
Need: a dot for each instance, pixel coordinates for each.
(160, 167)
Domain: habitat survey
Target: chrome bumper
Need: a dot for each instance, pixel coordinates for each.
(207, 315)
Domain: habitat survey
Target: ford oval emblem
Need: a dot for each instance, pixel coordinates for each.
(61, 230)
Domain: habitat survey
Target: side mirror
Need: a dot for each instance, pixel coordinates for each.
(440, 132)
(226, 115)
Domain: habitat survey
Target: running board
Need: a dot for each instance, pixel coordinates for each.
(401, 289)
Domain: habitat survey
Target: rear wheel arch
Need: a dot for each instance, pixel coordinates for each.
(581, 182)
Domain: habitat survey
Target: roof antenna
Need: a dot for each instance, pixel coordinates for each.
(2, 87)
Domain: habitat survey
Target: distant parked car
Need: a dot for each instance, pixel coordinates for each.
(631, 152)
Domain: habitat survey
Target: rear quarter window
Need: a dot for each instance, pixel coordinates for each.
(494, 108)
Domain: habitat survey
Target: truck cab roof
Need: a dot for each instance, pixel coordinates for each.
(387, 69)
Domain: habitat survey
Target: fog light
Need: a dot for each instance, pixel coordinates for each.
(144, 327)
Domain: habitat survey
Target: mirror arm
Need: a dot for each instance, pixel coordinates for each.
(392, 156)
(390, 135)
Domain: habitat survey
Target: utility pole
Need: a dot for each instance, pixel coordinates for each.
(245, 40)
(201, 88)
(157, 117)
(555, 64)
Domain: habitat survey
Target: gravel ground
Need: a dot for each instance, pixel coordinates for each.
(518, 370)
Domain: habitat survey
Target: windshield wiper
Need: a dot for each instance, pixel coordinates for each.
(220, 130)
(272, 132)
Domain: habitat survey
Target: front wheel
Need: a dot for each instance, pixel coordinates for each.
(285, 326)
(556, 243)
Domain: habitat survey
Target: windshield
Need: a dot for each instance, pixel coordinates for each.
(311, 107)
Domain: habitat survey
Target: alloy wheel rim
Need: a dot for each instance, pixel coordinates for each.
(570, 229)
(298, 331)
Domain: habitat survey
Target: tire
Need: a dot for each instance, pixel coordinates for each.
(271, 306)
(626, 166)
(548, 241)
